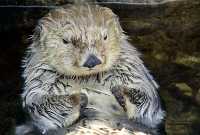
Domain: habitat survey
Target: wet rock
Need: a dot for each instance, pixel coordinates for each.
(184, 88)
(198, 97)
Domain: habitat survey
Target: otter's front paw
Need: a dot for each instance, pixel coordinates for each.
(121, 95)
(83, 101)
(118, 92)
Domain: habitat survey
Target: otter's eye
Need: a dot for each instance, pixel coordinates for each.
(65, 41)
(105, 37)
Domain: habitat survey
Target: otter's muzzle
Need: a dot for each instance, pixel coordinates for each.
(92, 61)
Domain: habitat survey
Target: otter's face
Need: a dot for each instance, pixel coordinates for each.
(81, 41)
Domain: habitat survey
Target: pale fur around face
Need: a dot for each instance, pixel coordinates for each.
(68, 35)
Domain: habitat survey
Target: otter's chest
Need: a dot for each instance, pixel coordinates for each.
(101, 100)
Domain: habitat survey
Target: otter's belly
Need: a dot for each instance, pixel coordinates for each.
(101, 102)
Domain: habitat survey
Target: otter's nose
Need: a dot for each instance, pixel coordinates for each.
(92, 61)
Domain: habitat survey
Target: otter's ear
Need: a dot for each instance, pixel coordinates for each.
(108, 12)
(115, 19)
(118, 27)
(39, 32)
(44, 25)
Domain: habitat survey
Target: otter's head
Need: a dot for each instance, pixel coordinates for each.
(79, 40)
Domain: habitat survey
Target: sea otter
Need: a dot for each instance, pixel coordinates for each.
(81, 68)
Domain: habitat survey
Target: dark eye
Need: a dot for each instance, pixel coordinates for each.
(65, 41)
(105, 37)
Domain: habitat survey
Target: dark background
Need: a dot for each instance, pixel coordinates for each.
(168, 35)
